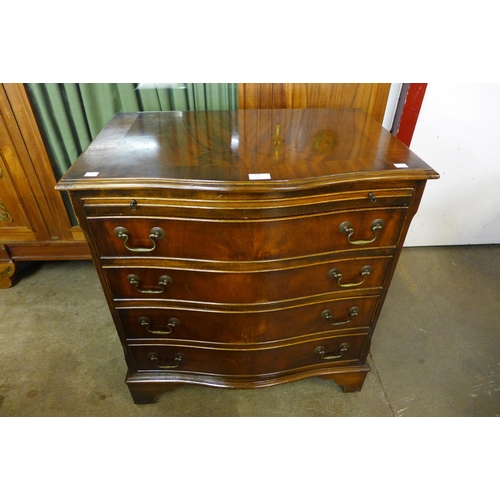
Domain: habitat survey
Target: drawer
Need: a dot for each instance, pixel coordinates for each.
(254, 360)
(247, 286)
(247, 326)
(247, 240)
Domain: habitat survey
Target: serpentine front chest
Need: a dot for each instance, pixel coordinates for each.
(243, 249)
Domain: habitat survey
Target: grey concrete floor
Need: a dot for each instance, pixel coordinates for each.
(435, 351)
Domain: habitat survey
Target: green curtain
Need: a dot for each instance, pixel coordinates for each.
(70, 115)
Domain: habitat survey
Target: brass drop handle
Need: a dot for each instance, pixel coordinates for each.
(172, 323)
(335, 274)
(327, 314)
(334, 355)
(166, 364)
(346, 227)
(163, 282)
(156, 234)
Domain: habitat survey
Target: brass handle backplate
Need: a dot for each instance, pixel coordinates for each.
(328, 315)
(172, 323)
(156, 234)
(335, 274)
(166, 364)
(163, 282)
(347, 228)
(334, 355)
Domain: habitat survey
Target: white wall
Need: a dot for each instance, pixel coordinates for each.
(392, 103)
(458, 134)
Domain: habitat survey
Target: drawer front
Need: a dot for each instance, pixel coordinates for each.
(239, 240)
(251, 361)
(264, 325)
(247, 287)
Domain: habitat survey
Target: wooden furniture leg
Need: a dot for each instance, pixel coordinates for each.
(7, 268)
(350, 381)
(149, 393)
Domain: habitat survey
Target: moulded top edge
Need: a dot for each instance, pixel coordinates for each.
(244, 185)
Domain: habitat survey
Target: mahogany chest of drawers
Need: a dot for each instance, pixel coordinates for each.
(243, 249)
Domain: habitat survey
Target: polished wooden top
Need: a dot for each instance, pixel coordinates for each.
(272, 148)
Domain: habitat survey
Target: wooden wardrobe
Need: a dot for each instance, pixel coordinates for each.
(34, 222)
